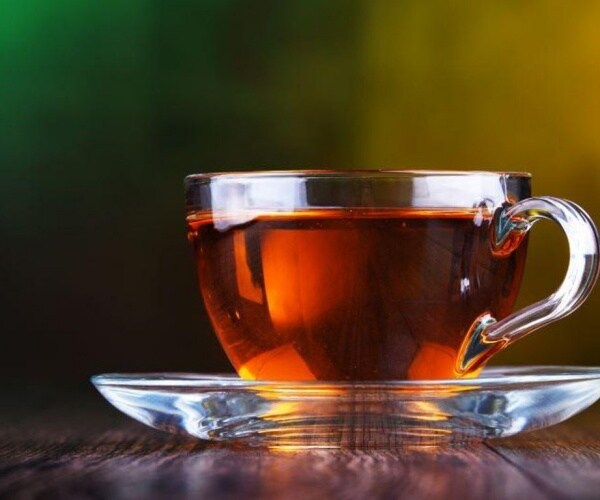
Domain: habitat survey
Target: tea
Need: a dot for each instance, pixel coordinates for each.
(341, 294)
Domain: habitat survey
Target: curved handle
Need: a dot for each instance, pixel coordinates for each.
(487, 336)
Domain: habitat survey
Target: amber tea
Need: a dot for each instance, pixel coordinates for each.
(347, 294)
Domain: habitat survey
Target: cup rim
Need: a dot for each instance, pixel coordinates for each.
(377, 173)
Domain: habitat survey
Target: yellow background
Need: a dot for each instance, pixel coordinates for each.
(498, 86)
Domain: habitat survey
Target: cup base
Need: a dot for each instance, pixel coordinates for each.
(502, 402)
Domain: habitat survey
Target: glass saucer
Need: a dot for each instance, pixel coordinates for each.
(302, 415)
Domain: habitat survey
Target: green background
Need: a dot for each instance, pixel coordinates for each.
(105, 106)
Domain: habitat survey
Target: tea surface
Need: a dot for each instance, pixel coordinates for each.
(350, 294)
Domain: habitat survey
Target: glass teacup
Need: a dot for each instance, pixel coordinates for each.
(374, 275)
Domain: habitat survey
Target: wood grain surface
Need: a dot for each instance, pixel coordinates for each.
(65, 443)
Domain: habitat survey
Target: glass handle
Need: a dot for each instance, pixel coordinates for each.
(487, 335)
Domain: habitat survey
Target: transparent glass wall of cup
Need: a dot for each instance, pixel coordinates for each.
(374, 275)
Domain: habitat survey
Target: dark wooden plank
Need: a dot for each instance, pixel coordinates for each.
(78, 447)
(136, 468)
(566, 457)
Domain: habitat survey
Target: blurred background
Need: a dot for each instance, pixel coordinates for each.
(105, 106)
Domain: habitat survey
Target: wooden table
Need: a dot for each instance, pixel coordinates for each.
(72, 444)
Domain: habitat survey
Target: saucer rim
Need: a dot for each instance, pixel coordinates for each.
(491, 377)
